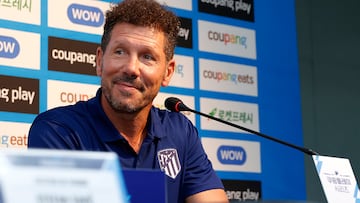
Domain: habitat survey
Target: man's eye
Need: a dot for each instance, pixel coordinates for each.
(148, 57)
(119, 51)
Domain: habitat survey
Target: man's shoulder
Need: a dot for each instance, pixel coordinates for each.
(65, 113)
(173, 124)
(166, 116)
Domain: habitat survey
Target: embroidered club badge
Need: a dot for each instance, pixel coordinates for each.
(169, 162)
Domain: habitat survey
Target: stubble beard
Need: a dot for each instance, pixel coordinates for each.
(118, 104)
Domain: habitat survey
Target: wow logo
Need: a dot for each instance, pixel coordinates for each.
(85, 15)
(9, 47)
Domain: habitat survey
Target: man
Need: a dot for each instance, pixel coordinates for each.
(134, 60)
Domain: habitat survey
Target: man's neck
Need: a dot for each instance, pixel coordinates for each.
(133, 130)
(132, 126)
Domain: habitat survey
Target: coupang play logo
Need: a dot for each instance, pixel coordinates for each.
(85, 15)
(9, 47)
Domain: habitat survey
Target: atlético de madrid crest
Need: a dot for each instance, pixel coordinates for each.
(169, 162)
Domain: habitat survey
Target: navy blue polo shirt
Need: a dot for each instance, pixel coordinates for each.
(172, 144)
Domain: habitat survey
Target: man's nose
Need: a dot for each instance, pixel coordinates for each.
(132, 67)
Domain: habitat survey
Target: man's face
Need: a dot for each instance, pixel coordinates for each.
(133, 67)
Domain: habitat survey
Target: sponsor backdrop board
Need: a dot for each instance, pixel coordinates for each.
(236, 60)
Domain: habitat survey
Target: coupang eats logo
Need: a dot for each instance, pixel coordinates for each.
(9, 47)
(225, 76)
(85, 15)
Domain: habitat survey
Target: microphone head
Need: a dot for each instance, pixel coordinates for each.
(175, 104)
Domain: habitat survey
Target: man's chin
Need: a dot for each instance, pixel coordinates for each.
(128, 105)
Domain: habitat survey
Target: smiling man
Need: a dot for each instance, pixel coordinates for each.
(134, 60)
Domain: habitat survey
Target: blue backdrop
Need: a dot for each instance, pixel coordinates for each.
(271, 53)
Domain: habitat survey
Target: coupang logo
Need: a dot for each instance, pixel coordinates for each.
(179, 69)
(85, 15)
(9, 47)
(231, 155)
(227, 38)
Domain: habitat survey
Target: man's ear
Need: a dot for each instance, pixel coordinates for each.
(99, 55)
(168, 73)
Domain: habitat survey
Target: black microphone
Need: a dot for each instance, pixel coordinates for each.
(176, 105)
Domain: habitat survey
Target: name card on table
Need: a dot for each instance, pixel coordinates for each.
(50, 176)
(337, 179)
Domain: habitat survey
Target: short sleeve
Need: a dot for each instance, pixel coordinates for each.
(46, 132)
(199, 173)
